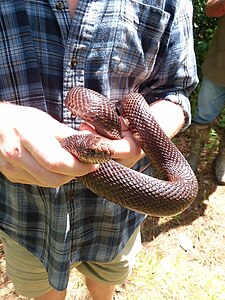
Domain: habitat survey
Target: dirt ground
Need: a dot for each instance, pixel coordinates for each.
(205, 215)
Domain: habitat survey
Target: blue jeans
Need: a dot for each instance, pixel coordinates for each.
(211, 100)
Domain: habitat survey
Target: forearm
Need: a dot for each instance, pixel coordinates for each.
(169, 115)
(215, 8)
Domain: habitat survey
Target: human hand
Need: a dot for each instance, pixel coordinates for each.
(30, 152)
(169, 116)
(126, 150)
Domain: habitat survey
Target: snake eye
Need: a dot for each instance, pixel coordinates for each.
(92, 152)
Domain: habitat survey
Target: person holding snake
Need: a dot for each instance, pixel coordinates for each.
(49, 221)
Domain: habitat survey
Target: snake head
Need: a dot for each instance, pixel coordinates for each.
(88, 148)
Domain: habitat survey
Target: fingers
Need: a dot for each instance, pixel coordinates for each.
(123, 124)
(30, 151)
(33, 154)
(23, 168)
(51, 156)
(24, 177)
(87, 127)
(126, 150)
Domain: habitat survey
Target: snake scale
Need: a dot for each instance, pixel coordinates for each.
(119, 184)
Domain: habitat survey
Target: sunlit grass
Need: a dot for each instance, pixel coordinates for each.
(176, 276)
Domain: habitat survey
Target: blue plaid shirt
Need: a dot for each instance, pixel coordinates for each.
(114, 47)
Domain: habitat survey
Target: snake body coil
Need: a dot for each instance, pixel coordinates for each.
(125, 186)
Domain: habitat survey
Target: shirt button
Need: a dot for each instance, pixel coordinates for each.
(73, 62)
(60, 5)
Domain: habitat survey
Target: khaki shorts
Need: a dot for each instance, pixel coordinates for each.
(30, 279)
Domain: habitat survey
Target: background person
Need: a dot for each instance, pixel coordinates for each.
(211, 97)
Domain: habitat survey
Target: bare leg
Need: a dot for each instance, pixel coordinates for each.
(53, 294)
(100, 291)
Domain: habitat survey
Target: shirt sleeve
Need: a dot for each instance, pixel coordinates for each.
(175, 72)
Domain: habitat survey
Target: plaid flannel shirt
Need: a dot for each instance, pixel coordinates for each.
(114, 47)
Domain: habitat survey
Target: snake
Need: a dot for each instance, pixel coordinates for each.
(134, 190)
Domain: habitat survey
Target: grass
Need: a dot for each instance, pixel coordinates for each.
(177, 275)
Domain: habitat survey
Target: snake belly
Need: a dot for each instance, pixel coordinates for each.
(122, 185)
